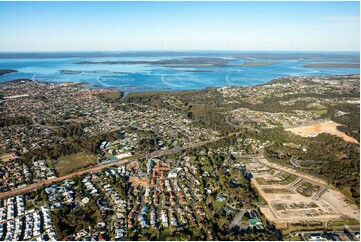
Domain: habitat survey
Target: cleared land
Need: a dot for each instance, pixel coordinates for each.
(5, 157)
(137, 181)
(316, 129)
(69, 163)
(294, 197)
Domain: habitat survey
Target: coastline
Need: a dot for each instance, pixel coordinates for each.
(126, 90)
(176, 71)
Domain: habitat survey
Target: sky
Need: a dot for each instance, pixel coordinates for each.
(244, 26)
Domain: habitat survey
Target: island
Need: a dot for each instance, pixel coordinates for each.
(72, 72)
(258, 64)
(332, 65)
(6, 71)
(181, 62)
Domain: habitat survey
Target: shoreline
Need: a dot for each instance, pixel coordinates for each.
(143, 89)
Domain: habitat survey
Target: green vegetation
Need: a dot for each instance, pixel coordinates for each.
(326, 156)
(316, 106)
(319, 112)
(279, 206)
(330, 158)
(208, 109)
(307, 189)
(6, 71)
(205, 108)
(68, 221)
(15, 121)
(207, 168)
(69, 163)
(311, 226)
(287, 179)
(277, 190)
(343, 222)
(297, 237)
(245, 219)
(112, 96)
(218, 205)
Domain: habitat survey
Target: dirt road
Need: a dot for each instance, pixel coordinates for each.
(332, 204)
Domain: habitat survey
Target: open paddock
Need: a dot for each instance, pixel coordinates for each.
(69, 163)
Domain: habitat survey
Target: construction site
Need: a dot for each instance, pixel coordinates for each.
(294, 197)
(312, 130)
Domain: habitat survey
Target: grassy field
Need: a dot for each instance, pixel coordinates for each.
(207, 168)
(288, 177)
(69, 163)
(307, 189)
(287, 180)
(277, 190)
(245, 219)
(295, 238)
(343, 222)
(319, 111)
(113, 95)
(299, 227)
(262, 181)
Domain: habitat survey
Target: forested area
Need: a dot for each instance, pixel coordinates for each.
(8, 121)
(327, 157)
(209, 109)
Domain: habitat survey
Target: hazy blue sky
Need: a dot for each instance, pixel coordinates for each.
(179, 26)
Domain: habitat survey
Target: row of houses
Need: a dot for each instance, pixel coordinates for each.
(13, 207)
(24, 224)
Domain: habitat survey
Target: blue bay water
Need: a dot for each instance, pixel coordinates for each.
(146, 77)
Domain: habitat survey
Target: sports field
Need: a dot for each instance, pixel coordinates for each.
(69, 163)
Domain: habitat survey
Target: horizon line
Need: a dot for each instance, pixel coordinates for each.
(158, 50)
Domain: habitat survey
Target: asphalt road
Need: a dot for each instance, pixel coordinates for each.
(100, 167)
